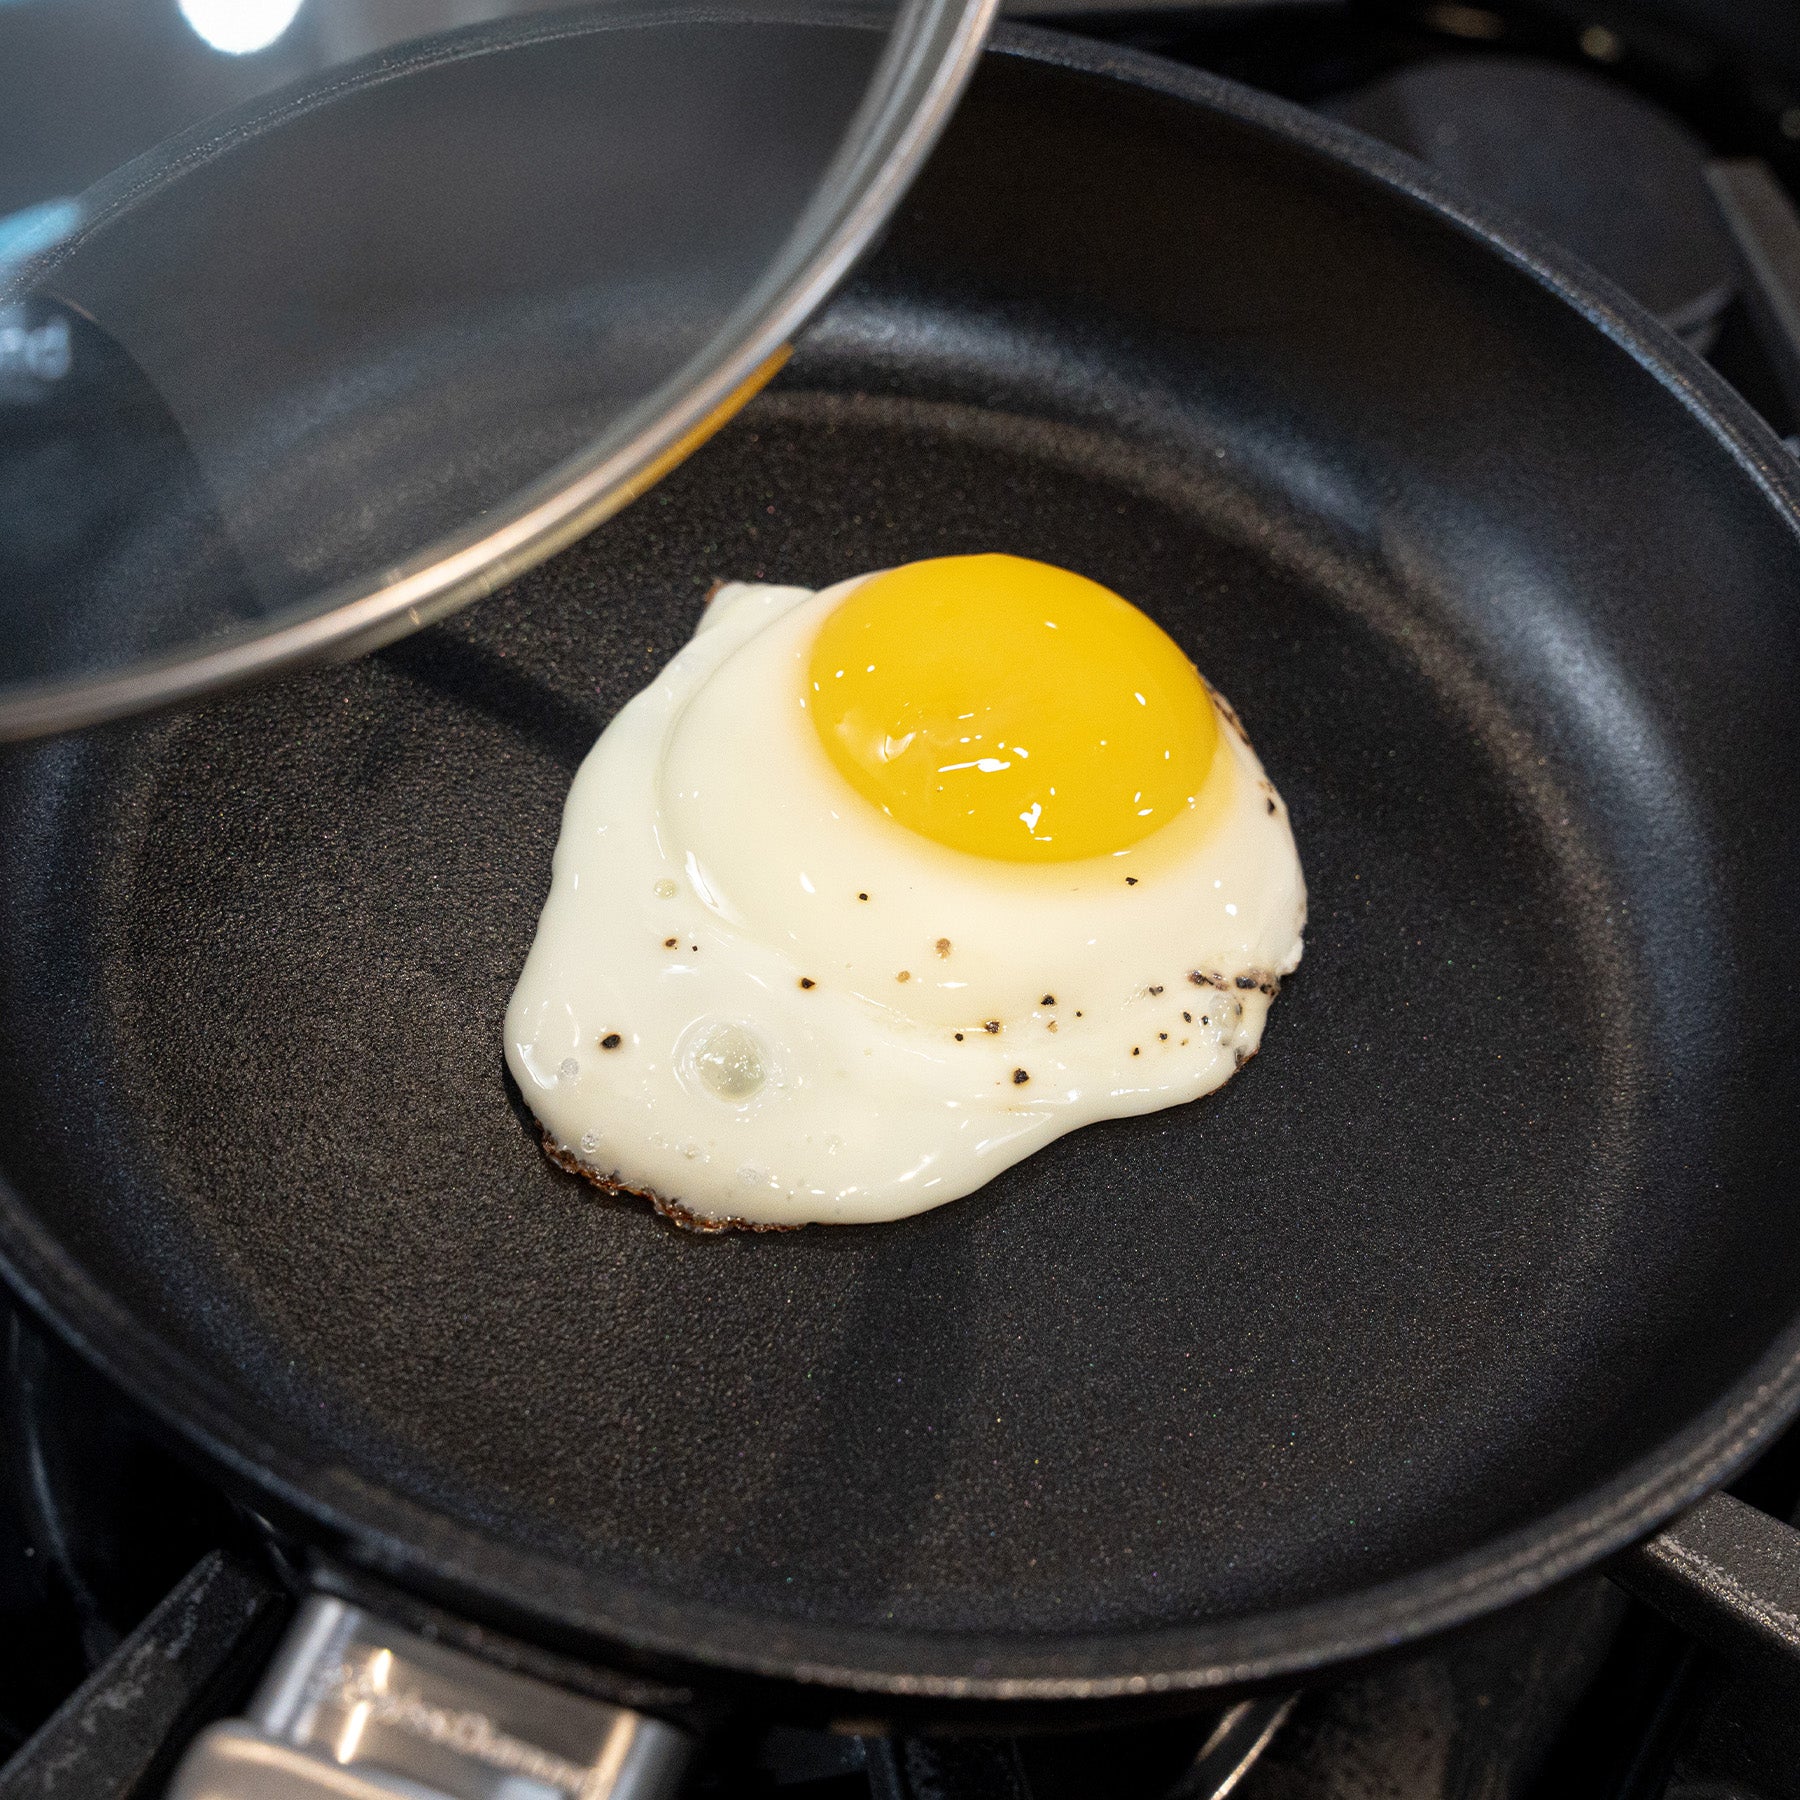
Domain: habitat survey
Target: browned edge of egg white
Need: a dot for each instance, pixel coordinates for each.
(700, 1224)
(1227, 712)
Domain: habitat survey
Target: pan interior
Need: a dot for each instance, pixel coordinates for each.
(1495, 1212)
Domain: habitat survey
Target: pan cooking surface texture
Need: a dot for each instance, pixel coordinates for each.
(1496, 1211)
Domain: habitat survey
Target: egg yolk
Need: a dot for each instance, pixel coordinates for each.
(1010, 709)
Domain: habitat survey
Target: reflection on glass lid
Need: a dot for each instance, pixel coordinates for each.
(318, 317)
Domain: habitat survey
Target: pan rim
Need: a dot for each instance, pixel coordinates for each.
(536, 1594)
(404, 1541)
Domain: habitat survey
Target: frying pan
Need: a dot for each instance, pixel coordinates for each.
(1483, 1270)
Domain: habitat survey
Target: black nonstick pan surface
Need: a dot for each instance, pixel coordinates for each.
(1483, 1268)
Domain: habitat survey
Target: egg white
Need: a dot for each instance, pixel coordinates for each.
(799, 1053)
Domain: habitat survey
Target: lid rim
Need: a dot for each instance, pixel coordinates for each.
(931, 53)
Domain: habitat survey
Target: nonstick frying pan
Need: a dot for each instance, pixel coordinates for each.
(1482, 1271)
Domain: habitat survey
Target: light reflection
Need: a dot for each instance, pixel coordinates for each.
(350, 1738)
(239, 27)
(33, 353)
(33, 229)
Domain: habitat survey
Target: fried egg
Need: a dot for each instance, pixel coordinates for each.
(876, 890)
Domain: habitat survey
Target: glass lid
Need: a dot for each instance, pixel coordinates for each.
(319, 318)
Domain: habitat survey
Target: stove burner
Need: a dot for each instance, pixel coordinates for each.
(1586, 162)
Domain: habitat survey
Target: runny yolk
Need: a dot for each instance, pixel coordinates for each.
(1009, 709)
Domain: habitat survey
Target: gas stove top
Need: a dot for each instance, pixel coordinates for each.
(134, 1598)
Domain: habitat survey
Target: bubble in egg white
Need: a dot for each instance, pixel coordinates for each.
(729, 1060)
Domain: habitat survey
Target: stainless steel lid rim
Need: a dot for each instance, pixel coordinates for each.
(924, 66)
